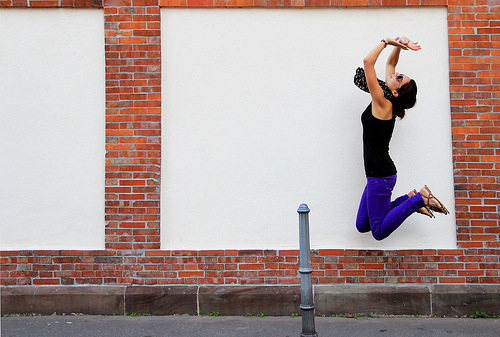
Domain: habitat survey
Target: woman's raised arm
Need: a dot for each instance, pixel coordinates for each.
(393, 59)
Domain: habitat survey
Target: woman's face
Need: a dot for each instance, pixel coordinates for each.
(396, 80)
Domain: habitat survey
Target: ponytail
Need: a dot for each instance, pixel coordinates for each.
(406, 99)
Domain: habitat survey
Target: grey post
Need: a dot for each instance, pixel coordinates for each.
(306, 289)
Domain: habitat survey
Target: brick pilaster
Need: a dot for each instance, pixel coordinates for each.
(475, 99)
(133, 128)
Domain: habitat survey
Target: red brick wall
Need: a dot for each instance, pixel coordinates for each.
(133, 123)
(474, 41)
(133, 144)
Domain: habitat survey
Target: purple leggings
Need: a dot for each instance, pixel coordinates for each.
(376, 211)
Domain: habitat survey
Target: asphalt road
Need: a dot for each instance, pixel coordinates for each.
(231, 326)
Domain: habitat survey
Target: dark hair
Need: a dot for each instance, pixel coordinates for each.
(406, 99)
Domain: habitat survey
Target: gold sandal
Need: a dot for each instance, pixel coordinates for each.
(440, 208)
(424, 210)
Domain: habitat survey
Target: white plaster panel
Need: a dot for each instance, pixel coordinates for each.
(260, 114)
(52, 128)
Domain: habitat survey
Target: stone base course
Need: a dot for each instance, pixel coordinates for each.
(438, 300)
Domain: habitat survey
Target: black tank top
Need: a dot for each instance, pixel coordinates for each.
(377, 134)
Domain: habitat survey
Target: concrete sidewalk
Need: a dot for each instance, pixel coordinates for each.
(237, 326)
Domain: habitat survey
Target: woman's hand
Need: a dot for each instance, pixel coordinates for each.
(413, 45)
(409, 44)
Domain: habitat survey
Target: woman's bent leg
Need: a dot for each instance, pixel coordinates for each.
(386, 216)
(362, 220)
(397, 215)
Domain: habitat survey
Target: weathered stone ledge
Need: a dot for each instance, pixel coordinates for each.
(439, 300)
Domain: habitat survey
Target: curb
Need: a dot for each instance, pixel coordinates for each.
(437, 300)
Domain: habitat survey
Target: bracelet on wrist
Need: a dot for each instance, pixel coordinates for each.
(385, 42)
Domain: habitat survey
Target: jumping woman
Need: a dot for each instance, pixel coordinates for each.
(389, 99)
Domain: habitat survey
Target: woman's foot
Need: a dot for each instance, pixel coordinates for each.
(431, 201)
(423, 210)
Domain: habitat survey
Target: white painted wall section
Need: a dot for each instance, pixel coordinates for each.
(260, 114)
(52, 124)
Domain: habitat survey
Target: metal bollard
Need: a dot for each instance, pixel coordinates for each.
(306, 289)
